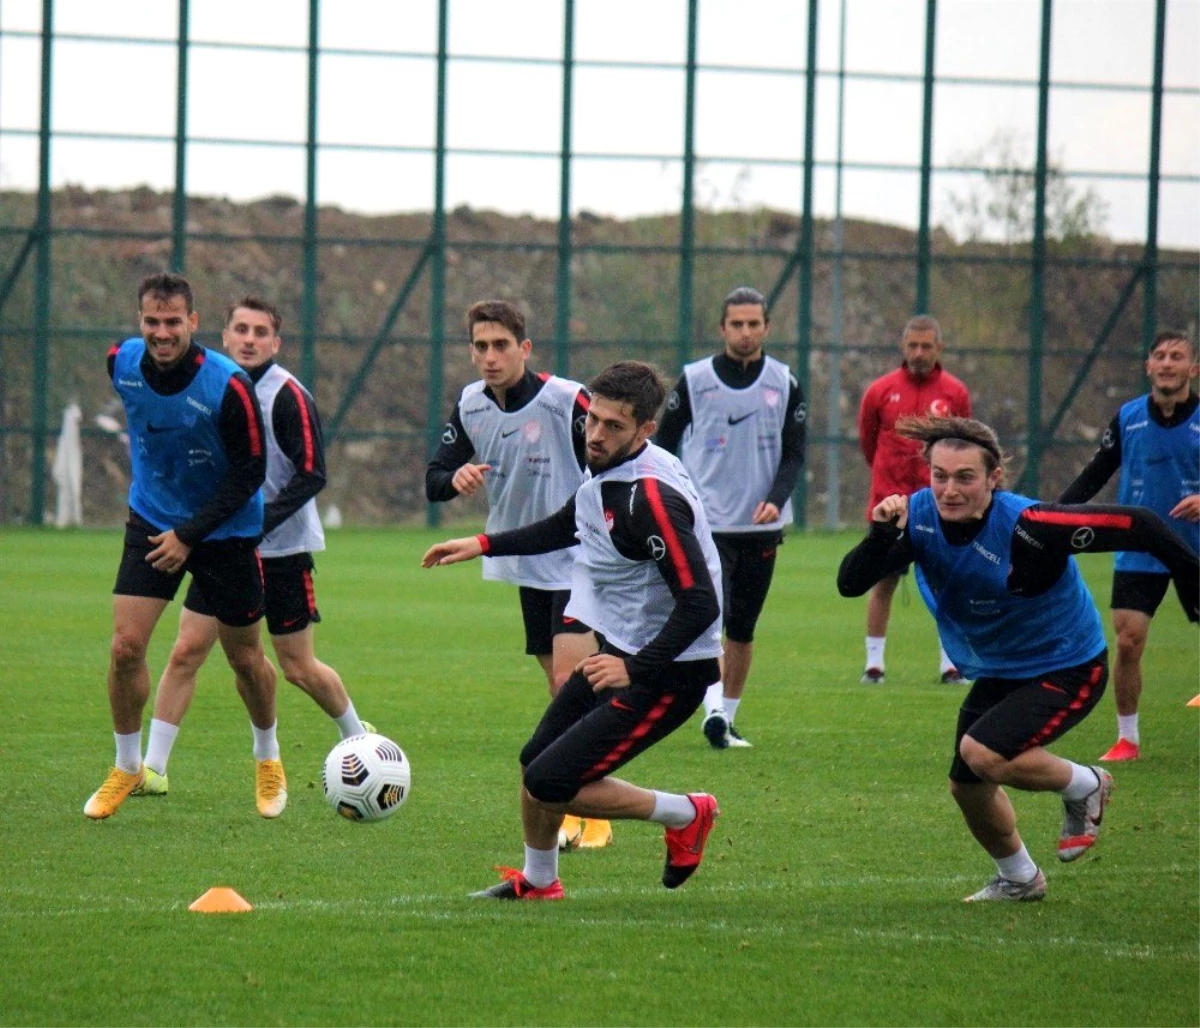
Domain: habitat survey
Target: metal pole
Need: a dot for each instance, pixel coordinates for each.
(41, 311)
(804, 333)
(833, 506)
(308, 290)
(437, 303)
(687, 216)
(1150, 259)
(562, 288)
(179, 202)
(1037, 325)
(923, 247)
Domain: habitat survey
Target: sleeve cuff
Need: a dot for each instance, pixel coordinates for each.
(484, 544)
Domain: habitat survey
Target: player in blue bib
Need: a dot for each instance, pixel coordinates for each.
(1155, 442)
(997, 572)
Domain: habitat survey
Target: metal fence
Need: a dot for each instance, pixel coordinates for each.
(1037, 304)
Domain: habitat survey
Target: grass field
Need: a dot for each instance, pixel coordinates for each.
(830, 893)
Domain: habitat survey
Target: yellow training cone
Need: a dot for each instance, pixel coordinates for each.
(1194, 701)
(220, 900)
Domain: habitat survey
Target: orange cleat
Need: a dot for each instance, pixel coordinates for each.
(1123, 750)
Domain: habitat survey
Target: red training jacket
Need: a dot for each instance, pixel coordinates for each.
(896, 463)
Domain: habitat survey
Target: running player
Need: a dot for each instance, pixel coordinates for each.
(646, 578)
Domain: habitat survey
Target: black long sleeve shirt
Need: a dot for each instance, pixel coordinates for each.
(456, 447)
(297, 427)
(741, 375)
(635, 521)
(1044, 538)
(1106, 461)
(241, 430)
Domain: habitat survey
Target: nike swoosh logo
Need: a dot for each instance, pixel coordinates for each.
(159, 428)
(505, 435)
(621, 706)
(1053, 688)
(569, 621)
(737, 421)
(1157, 460)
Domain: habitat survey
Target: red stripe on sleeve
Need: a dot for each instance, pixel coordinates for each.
(251, 422)
(674, 548)
(583, 400)
(305, 424)
(1081, 520)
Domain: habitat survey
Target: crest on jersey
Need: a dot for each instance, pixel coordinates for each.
(770, 396)
(940, 408)
(532, 430)
(608, 518)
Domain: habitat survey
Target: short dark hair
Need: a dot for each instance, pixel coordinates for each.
(1172, 335)
(255, 303)
(741, 295)
(923, 323)
(164, 286)
(957, 433)
(500, 311)
(634, 382)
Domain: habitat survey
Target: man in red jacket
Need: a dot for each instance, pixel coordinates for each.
(919, 386)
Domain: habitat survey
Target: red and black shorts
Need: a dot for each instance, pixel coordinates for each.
(226, 574)
(291, 601)
(1139, 590)
(1010, 716)
(585, 735)
(542, 610)
(747, 567)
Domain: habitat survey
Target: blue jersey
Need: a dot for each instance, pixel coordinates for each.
(985, 629)
(1159, 467)
(175, 443)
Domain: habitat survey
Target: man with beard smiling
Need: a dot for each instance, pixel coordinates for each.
(647, 579)
(196, 444)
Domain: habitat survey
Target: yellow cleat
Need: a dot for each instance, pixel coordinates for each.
(571, 833)
(105, 801)
(270, 788)
(153, 784)
(596, 834)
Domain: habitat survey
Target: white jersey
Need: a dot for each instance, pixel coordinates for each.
(302, 532)
(534, 472)
(734, 444)
(627, 601)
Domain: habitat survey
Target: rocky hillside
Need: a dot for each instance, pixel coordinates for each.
(625, 289)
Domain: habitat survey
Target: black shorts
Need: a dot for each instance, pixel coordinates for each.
(542, 611)
(747, 566)
(291, 601)
(225, 572)
(585, 736)
(1139, 590)
(1010, 715)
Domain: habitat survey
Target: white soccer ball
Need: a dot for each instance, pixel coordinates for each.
(366, 777)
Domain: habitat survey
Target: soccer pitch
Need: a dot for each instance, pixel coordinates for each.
(829, 895)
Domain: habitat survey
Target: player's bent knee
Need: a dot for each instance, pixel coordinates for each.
(986, 763)
(545, 788)
(127, 651)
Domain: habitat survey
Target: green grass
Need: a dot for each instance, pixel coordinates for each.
(829, 895)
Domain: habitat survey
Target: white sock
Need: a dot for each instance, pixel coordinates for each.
(875, 644)
(158, 748)
(731, 707)
(1127, 727)
(129, 751)
(541, 866)
(266, 744)
(1018, 868)
(714, 698)
(349, 724)
(672, 810)
(1084, 782)
(947, 665)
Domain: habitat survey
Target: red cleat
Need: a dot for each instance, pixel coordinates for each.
(685, 846)
(515, 886)
(1123, 750)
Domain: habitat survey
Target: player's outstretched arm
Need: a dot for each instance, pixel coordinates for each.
(452, 551)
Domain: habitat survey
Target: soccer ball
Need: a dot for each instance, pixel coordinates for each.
(366, 777)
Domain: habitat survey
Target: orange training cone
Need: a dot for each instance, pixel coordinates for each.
(1194, 701)
(220, 900)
